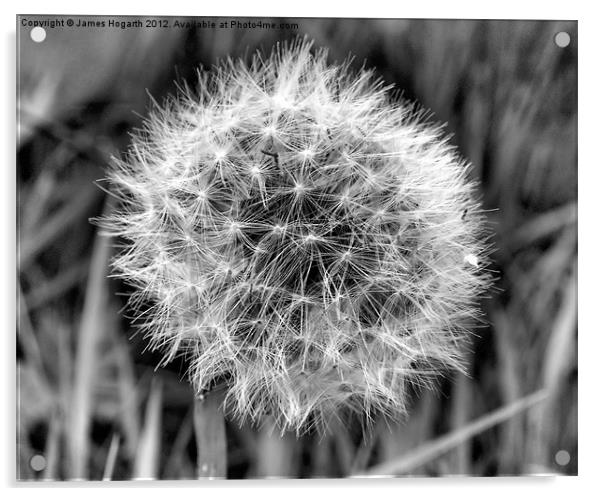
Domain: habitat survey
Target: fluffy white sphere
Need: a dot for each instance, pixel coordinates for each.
(303, 237)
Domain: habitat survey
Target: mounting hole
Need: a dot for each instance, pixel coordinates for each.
(562, 458)
(37, 463)
(38, 34)
(562, 39)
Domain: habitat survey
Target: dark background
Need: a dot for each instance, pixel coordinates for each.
(87, 390)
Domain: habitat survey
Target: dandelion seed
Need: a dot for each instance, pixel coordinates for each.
(307, 154)
(471, 260)
(269, 130)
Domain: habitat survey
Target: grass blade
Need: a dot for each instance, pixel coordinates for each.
(91, 329)
(146, 466)
(34, 243)
(111, 458)
(433, 449)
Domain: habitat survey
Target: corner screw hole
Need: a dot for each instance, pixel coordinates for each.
(37, 463)
(38, 34)
(562, 39)
(562, 458)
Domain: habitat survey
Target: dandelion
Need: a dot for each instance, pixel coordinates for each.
(302, 237)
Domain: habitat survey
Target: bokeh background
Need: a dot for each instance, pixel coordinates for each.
(90, 399)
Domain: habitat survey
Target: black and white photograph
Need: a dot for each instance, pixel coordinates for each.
(295, 248)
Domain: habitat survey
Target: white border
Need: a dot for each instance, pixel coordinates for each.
(590, 182)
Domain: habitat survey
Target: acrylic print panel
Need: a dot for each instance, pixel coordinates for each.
(296, 248)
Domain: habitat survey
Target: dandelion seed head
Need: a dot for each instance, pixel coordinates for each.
(297, 233)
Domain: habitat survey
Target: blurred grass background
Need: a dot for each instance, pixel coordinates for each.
(89, 398)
